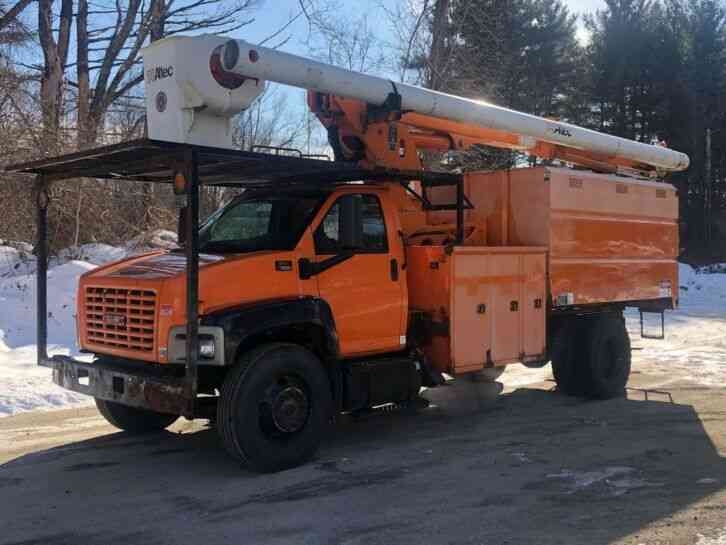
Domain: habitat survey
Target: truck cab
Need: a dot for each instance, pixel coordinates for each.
(340, 248)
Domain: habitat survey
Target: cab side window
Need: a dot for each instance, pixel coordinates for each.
(372, 228)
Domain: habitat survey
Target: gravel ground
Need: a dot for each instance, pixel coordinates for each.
(529, 467)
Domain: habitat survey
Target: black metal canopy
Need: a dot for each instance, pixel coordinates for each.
(148, 160)
(155, 161)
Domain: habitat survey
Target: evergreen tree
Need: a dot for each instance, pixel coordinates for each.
(706, 53)
(522, 54)
(658, 73)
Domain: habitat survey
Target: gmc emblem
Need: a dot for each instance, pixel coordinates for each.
(114, 319)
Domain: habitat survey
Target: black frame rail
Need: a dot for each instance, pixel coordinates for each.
(146, 160)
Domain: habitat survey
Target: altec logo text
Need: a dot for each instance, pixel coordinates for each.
(562, 131)
(159, 72)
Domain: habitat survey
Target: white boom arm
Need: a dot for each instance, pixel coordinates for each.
(259, 63)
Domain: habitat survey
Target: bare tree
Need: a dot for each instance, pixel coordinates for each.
(439, 56)
(55, 57)
(340, 40)
(10, 27)
(81, 92)
(408, 24)
(108, 52)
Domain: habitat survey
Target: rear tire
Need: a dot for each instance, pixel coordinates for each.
(607, 360)
(566, 346)
(133, 420)
(275, 407)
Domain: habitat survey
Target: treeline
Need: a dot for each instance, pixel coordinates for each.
(648, 70)
(70, 79)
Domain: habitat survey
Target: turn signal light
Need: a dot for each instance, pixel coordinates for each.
(180, 184)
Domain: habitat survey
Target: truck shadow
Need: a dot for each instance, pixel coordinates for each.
(534, 467)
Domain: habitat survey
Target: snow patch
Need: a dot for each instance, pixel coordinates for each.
(714, 540)
(23, 385)
(694, 347)
(95, 253)
(15, 259)
(614, 481)
(515, 376)
(522, 457)
(159, 239)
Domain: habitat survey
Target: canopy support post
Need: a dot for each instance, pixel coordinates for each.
(191, 173)
(42, 199)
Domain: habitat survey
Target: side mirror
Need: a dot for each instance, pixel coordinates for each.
(351, 223)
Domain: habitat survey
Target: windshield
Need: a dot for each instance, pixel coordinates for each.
(257, 223)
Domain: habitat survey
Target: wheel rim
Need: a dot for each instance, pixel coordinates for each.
(284, 408)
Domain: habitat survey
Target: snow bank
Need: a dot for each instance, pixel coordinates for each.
(161, 238)
(96, 253)
(719, 539)
(15, 259)
(695, 334)
(23, 385)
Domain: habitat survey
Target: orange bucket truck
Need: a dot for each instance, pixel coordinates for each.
(329, 287)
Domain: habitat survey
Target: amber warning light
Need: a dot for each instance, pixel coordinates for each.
(180, 184)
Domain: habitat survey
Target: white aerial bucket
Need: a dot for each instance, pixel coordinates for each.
(189, 99)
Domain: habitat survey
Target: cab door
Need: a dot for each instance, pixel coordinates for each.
(362, 284)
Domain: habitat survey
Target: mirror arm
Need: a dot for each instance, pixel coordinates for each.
(181, 226)
(309, 268)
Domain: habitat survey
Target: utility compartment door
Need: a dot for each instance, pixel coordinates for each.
(469, 327)
(505, 280)
(534, 315)
(497, 306)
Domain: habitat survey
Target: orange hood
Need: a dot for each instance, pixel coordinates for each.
(224, 281)
(153, 266)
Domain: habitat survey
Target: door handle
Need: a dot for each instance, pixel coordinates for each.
(394, 269)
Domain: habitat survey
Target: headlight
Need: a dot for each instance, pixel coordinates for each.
(206, 347)
(210, 350)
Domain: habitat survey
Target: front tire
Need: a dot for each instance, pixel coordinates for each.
(275, 407)
(133, 420)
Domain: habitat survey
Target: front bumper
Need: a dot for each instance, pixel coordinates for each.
(137, 385)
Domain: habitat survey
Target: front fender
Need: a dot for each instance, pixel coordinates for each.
(241, 323)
